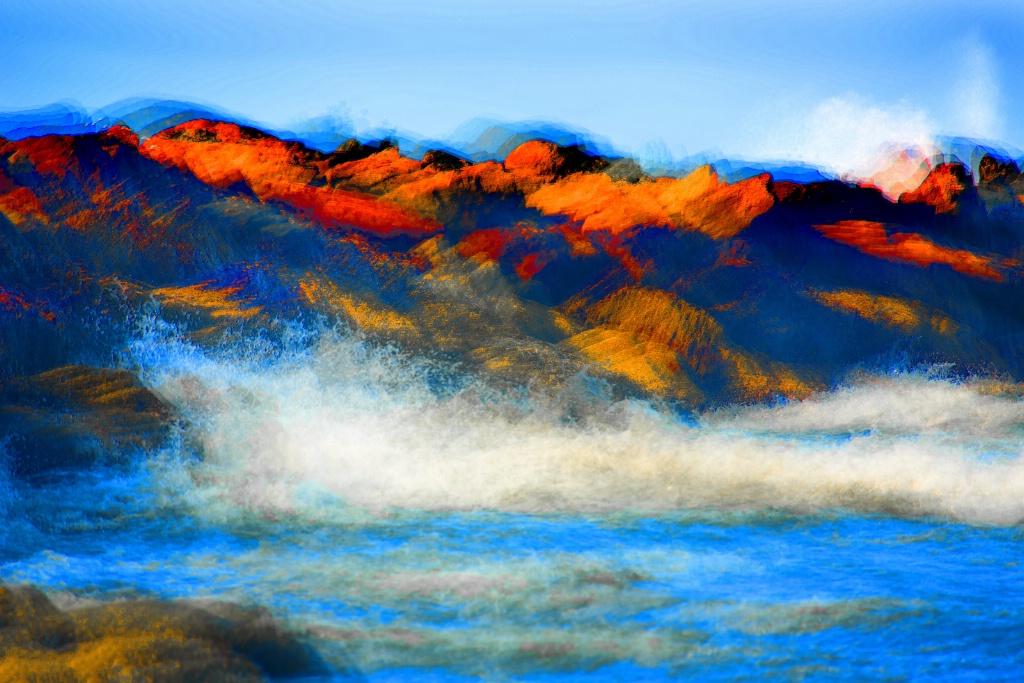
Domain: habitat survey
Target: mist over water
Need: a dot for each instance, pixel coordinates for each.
(333, 418)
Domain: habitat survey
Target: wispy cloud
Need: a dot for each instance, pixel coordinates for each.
(846, 134)
(976, 91)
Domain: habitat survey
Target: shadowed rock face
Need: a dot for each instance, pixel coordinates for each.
(531, 272)
(143, 640)
(992, 171)
(442, 161)
(76, 415)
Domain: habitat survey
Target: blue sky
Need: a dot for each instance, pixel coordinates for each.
(822, 81)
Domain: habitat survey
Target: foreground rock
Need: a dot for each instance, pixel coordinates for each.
(143, 640)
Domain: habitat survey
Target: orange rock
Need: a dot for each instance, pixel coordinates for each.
(530, 266)
(50, 154)
(221, 154)
(941, 189)
(375, 169)
(489, 244)
(19, 203)
(578, 242)
(339, 208)
(535, 159)
(700, 201)
(488, 177)
(872, 238)
(369, 315)
(887, 310)
(218, 302)
(617, 248)
(122, 134)
(143, 640)
(662, 343)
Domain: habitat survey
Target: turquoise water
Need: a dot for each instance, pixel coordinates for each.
(711, 595)
(452, 535)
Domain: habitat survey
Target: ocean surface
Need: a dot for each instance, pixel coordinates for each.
(415, 523)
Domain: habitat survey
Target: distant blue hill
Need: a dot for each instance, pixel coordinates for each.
(146, 116)
(60, 118)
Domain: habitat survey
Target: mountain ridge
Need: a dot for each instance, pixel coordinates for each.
(478, 139)
(550, 267)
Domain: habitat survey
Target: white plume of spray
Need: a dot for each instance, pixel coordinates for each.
(351, 426)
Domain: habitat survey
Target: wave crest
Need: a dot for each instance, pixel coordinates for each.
(349, 422)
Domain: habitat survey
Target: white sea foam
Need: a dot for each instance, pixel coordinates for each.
(348, 422)
(909, 405)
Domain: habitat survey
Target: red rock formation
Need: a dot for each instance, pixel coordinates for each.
(49, 155)
(941, 189)
(872, 238)
(700, 202)
(221, 154)
(19, 203)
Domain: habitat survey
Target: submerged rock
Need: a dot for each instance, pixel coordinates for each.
(144, 640)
